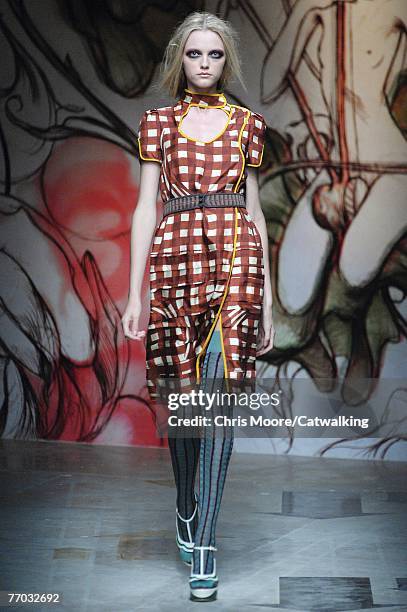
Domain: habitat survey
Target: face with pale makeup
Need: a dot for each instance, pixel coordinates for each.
(203, 60)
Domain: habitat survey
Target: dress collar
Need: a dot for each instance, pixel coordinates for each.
(213, 100)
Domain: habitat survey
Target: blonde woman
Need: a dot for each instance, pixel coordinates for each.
(209, 269)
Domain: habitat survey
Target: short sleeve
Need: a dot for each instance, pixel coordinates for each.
(256, 128)
(149, 134)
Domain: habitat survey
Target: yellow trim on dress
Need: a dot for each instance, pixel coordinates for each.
(146, 158)
(225, 365)
(237, 215)
(246, 120)
(261, 157)
(206, 342)
(229, 114)
(239, 142)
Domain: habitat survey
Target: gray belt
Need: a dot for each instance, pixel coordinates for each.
(204, 200)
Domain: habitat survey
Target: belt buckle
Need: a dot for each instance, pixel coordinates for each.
(201, 200)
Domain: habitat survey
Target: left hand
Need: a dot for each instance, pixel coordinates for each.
(265, 337)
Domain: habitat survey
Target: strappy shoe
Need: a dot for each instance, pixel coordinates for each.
(203, 586)
(186, 547)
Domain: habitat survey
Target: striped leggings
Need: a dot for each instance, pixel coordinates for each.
(213, 455)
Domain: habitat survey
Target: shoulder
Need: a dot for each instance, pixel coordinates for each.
(148, 116)
(258, 116)
(257, 119)
(241, 110)
(157, 115)
(160, 110)
(250, 115)
(156, 112)
(256, 123)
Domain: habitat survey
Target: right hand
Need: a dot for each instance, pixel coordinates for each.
(130, 320)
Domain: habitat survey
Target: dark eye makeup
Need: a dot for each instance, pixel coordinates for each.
(218, 53)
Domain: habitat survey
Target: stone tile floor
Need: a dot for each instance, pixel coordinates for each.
(295, 534)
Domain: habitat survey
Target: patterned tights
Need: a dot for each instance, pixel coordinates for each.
(213, 453)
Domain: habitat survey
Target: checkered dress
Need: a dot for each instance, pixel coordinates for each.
(205, 264)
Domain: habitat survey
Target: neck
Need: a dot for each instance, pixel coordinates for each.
(202, 90)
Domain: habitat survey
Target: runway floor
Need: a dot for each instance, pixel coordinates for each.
(97, 524)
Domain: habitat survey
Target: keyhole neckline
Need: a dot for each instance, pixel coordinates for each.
(229, 115)
(204, 100)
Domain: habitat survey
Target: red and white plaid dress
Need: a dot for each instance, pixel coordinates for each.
(206, 265)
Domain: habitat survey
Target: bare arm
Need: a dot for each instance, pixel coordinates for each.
(143, 225)
(254, 209)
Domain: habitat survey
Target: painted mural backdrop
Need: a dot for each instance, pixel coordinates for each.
(330, 79)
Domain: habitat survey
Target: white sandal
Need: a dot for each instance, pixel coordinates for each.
(203, 586)
(186, 547)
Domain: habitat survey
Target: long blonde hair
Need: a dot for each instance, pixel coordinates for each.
(172, 77)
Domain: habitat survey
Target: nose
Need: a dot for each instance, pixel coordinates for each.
(204, 62)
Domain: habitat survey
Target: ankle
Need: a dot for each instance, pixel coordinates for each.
(187, 524)
(183, 528)
(186, 505)
(203, 560)
(186, 510)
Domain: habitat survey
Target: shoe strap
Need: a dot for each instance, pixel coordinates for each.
(187, 521)
(193, 514)
(201, 561)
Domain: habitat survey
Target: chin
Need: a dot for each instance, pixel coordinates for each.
(205, 82)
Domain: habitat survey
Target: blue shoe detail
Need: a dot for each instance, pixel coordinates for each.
(186, 556)
(208, 583)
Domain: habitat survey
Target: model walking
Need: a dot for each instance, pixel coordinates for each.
(210, 288)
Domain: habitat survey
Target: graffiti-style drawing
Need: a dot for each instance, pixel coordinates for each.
(332, 86)
(64, 359)
(345, 200)
(56, 384)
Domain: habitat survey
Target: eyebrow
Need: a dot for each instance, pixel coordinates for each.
(196, 49)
